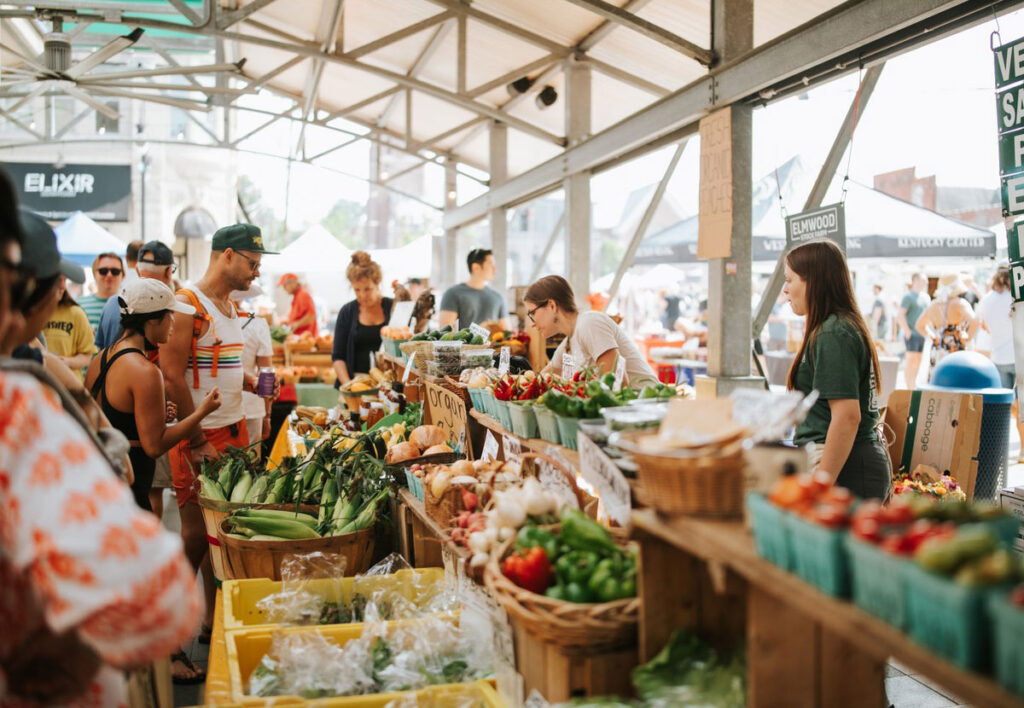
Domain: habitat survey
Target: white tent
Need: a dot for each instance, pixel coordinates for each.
(315, 251)
(412, 260)
(80, 239)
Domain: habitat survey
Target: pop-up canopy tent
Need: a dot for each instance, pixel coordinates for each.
(80, 239)
(877, 226)
(315, 251)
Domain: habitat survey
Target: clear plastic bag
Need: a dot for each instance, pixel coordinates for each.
(312, 591)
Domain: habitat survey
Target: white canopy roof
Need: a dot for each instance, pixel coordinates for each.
(80, 239)
(315, 251)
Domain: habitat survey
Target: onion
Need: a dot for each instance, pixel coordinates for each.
(535, 499)
(461, 479)
(478, 542)
(510, 512)
(461, 467)
(440, 484)
(427, 436)
(479, 559)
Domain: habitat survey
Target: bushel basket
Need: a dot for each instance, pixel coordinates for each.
(591, 628)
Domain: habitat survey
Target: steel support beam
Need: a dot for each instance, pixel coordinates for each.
(648, 29)
(645, 221)
(539, 265)
(444, 270)
(326, 35)
(424, 57)
(226, 20)
(840, 34)
(577, 186)
(399, 35)
(377, 211)
(821, 185)
(498, 167)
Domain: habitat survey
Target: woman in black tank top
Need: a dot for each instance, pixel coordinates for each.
(129, 386)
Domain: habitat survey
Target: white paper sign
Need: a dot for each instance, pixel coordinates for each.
(513, 449)
(568, 366)
(373, 360)
(408, 367)
(477, 330)
(620, 372)
(490, 451)
(504, 360)
(554, 482)
(401, 313)
(605, 477)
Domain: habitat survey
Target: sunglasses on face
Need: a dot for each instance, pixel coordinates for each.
(109, 271)
(254, 265)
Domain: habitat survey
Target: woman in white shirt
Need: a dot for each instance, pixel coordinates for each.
(591, 338)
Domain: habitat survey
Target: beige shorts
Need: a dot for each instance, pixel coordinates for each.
(162, 475)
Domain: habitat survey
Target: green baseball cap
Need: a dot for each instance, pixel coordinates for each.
(240, 237)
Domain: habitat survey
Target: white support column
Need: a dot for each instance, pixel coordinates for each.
(378, 206)
(498, 165)
(444, 254)
(577, 186)
(730, 347)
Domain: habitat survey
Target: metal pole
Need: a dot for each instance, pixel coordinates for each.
(499, 217)
(577, 186)
(821, 185)
(645, 221)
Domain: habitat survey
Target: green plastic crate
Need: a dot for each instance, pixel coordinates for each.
(415, 484)
(948, 618)
(877, 581)
(502, 414)
(819, 555)
(474, 398)
(771, 532)
(1007, 642)
(487, 401)
(547, 425)
(524, 420)
(567, 429)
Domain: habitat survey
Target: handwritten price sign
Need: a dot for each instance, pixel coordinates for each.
(447, 410)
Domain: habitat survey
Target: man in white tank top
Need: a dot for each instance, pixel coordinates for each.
(205, 350)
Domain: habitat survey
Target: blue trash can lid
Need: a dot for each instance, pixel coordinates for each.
(969, 372)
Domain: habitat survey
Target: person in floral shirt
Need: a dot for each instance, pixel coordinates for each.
(90, 585)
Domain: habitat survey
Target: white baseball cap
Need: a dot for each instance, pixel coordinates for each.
(142, 296)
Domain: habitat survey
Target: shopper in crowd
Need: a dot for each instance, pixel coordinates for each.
(108, 272)
(205, 351)
(302, 315)
(153, 260)
(994, 316)
(416, 287)
(357, 330)
(591, 338)
(879, 315)
(68, 334)
(72, 541)
(949, 321)
(837, 359)
(474, 301)
(130, 388)
(257, 352)
(131, 260)
(914, 303)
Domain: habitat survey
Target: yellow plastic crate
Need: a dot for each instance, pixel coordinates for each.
(241, 597)
(247, 647)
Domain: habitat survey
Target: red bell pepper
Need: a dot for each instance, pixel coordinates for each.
(530, 569)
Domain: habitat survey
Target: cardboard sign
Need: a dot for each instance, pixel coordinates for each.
(490, 450)
(605, 477)
(447, 411)
(936, 428)
(714, 230)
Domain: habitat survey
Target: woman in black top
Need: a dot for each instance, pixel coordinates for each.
(130, 388)
(357, 331)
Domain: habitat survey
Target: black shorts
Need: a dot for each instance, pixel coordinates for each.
(915, 342)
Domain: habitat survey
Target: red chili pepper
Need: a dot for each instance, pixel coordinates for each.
(529, 569)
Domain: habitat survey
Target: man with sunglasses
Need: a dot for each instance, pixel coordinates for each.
(204, 351)
(155, 260)
(108, 272)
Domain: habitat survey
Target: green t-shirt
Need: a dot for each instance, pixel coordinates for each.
(837, 365)
(93, 306)
(915, 304)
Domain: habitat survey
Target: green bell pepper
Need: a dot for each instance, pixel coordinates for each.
(530, 536)
(582, 534)
(556, 592)
(576, 566)
(577, 592)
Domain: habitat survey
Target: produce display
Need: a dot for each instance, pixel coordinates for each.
(423, 441)
(814, 498)
(685, 673)
(580, 562)
(236, 477)
(399, 334)
(943, 488)
(971, 557)
(447, 334)
(279, 333)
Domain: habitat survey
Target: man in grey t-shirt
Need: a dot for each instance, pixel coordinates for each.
(473, 302)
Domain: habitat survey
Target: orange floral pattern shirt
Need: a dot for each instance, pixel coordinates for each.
(77, 553)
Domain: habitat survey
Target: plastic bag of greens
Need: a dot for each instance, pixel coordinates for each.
(312, 591)
(687, 672)
(306, 664)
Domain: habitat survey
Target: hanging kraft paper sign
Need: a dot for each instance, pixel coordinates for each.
(714, 235)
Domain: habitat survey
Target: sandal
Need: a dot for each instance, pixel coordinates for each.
(199, 676)
(205, 633)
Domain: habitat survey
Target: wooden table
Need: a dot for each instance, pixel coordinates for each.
(804, 648)
(421, 538)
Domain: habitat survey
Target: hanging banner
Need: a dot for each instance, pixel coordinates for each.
(825, 222)
(101, 192)
(1009, 60)
(714, 235)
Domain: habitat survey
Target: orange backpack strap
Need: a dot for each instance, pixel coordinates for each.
(198, 318)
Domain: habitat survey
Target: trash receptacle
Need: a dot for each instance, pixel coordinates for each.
(970, 372)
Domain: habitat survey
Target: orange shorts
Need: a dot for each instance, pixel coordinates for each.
(185, 475)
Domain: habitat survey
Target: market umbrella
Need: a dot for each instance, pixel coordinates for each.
(80, 239)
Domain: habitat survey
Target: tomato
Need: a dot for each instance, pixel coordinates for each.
(894, 544)
(830, 515)
(867, 529)
(786, 492)
(819, 483)
(896, 514)
(838, 495)
(1017, 596)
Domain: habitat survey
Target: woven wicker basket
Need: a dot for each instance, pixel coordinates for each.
(590, 628)
(455, 386)
(262, 559)
(700, 483)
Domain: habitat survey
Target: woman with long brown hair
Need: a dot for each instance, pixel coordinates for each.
(838, 360)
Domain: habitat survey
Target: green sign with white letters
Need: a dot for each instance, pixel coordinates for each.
(1009, 60)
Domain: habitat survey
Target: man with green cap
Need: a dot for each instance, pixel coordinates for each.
(205, 350)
